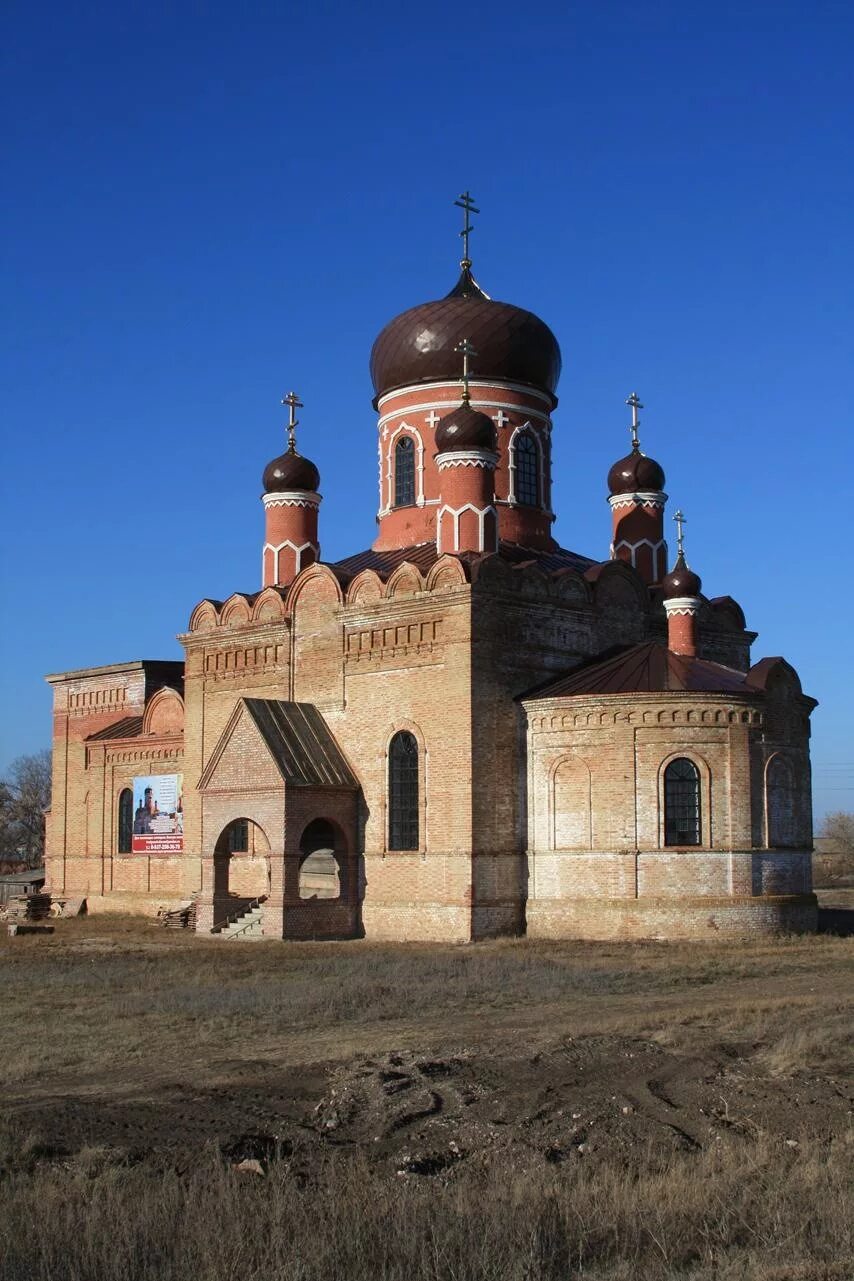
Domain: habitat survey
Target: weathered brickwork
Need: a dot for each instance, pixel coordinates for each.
(428, 668)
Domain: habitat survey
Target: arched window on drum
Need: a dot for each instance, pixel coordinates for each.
(780, 802)
(526, 487)
(403, 792)
(682, 817)
(404, 472)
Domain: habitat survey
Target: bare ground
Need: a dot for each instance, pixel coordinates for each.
(699, 1097)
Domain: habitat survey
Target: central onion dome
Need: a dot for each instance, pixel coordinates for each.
(636, 474)
(465, 428)
(291, 472)
(419, 345)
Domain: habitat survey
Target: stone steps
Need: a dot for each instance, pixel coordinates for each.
(245, 927)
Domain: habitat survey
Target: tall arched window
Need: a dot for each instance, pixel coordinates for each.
(527, 484)
(780, 797)
(404, 472)
(125, 821)
(682, 803)
(403, 792)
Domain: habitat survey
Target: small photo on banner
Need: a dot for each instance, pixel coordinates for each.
(158, 814)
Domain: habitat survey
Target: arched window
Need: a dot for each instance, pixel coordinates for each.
(404, 472)
(682, 803)
(403, 792)
(527, 485)
(235, 838)
(780, 797)
(125, 821)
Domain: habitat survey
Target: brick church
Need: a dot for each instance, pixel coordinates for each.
(464, 730)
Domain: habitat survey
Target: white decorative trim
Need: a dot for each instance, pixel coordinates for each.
(456, 512)
(688, 605)
(467, 458)
(419, 468)
(643, 498)
(292, 498)
(277, 549)
(632, 548)
(473, 382)
(446, 406)
(511, 466)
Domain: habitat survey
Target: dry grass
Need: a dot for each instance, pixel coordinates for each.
(112, 1011)
(768, 1216)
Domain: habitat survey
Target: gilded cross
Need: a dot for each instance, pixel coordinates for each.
(293, 403)
(466, 203)
(680, 536)
(467, 350)
(634, 403)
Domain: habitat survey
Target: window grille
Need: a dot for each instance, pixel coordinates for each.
(237, 836)
(404, 472)
(527, 486)
(125, 821)
(403, 792)
(682, 803)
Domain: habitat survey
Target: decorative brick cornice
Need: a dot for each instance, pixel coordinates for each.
(487, 458)
(291, 498)
(643, 498)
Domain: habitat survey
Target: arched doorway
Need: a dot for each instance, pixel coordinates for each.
(323, 863)
(323, 884)
(241, 861)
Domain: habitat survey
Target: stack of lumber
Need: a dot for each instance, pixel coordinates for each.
(28, 907)
(178, 918)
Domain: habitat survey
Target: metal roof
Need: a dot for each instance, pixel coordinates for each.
(647, 668)
(301, 743)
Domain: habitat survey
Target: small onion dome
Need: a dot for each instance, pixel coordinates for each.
(465, 428)
(636, 474)
(681, 581)
(420, 345)
(290, 471)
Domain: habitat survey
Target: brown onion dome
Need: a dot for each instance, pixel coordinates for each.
(465, 428)
(290, 471)
(681, 581)
(636, 474)
(419, 346)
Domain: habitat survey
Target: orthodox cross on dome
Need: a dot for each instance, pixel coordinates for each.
(466, 203)
(467, 350)
(680, 534)
(634, 403)
(293, 403)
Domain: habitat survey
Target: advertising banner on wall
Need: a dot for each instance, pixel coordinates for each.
(158, 814)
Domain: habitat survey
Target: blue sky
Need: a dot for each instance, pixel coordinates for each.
(208, 204)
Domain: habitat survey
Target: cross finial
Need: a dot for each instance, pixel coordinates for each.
(293, 403)
(467, 350)
(680, 534)
(634, 403)
(466, 203)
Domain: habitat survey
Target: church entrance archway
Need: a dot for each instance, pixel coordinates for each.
(323, 871)
(241, 861)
